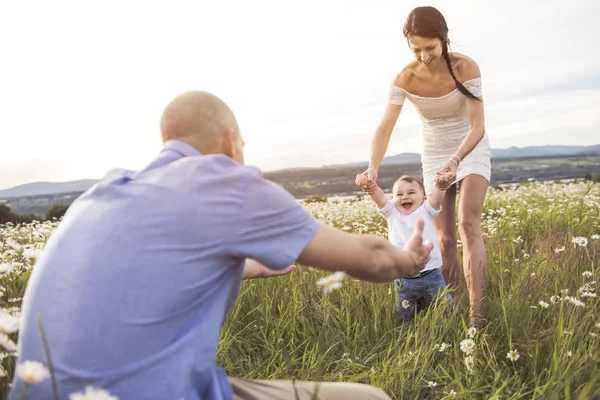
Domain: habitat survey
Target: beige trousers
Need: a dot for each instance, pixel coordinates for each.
(244, 389)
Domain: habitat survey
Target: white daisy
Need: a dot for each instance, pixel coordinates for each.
(92, 393)
(513, 355)
(31, 372)
(331, 282)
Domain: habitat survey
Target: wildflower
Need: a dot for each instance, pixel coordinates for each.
(575, 301)
(7, 343)
(13, 244)
(8, 322)
(580, 241)
(432, 384)
(595, 237)
(569, 353)
(587, 274)
(469, 363)
(513, 355)
(5, 268)
(91, 393)
(559, 250)
(472, 332)
(467, 346)
(405, 304)
(543, 304)
(31, 253)
(32, 372)
(441, 347)
(331, 282)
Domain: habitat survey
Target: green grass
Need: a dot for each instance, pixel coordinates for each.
(283, 328)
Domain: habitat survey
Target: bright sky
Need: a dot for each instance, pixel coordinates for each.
(83, 83)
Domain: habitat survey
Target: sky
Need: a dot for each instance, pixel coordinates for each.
(83, 83)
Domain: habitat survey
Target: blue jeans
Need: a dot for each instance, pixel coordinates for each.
(418, 293)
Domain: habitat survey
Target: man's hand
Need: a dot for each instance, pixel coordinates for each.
(254, 269)
(418, 249)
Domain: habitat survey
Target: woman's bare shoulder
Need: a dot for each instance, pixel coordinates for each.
(465, 67)
(405, 77)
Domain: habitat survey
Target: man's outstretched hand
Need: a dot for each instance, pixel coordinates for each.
(254, 269)
(418, 249)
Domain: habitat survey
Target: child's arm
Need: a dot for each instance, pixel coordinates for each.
(373, 190)
(437, 195)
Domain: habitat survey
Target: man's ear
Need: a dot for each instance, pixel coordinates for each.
(229, 143)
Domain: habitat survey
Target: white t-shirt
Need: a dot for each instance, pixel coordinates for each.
(401, 227)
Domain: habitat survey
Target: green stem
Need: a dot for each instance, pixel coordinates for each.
(48, 359)
(23, 392)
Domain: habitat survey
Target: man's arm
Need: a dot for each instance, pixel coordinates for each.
(366, 257)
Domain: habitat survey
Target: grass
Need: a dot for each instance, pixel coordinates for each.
(284, 328)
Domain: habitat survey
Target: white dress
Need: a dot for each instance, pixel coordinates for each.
(445, 125)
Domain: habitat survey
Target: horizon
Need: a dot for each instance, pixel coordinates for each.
(298, 167)
(81, 97)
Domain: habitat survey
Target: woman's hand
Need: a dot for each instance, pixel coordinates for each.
(371, 173)
(446, 175)
(366, 184)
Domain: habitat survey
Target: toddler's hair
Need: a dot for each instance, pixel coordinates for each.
(410, 179)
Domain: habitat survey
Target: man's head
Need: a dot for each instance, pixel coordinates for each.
(409, 194)
(203, 121)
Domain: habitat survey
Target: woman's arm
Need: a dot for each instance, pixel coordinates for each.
(381, 139)
(470, 70)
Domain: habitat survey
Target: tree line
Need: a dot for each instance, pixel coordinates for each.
(7, 215)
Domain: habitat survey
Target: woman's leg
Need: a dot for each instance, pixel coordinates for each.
(473, 189)
(445, 225)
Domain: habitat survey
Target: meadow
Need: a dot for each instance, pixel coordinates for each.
(542, 340)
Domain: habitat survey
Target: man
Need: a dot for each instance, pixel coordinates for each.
(134, 285)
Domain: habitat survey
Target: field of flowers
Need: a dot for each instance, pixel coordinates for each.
(542, 340)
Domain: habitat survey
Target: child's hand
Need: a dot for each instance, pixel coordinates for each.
(361, 180)
(366, 184)
(442, 180)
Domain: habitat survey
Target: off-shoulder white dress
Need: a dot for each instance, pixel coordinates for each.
(445, 125)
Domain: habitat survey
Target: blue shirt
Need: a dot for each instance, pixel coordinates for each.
(134, 285)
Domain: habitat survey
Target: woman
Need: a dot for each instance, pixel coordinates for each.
(445, 89)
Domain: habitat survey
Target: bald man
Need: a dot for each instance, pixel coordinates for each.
(134, 285)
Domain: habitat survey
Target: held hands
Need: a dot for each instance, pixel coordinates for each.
(445, 176)
(418, 249)
(367, 184)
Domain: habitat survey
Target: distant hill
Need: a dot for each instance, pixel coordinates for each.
(46, 188)
(52, 188)
(511, 152)
(544, 151)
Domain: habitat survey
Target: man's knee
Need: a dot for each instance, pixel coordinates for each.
(352, 391)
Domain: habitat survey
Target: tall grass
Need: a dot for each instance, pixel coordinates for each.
(286, 328)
